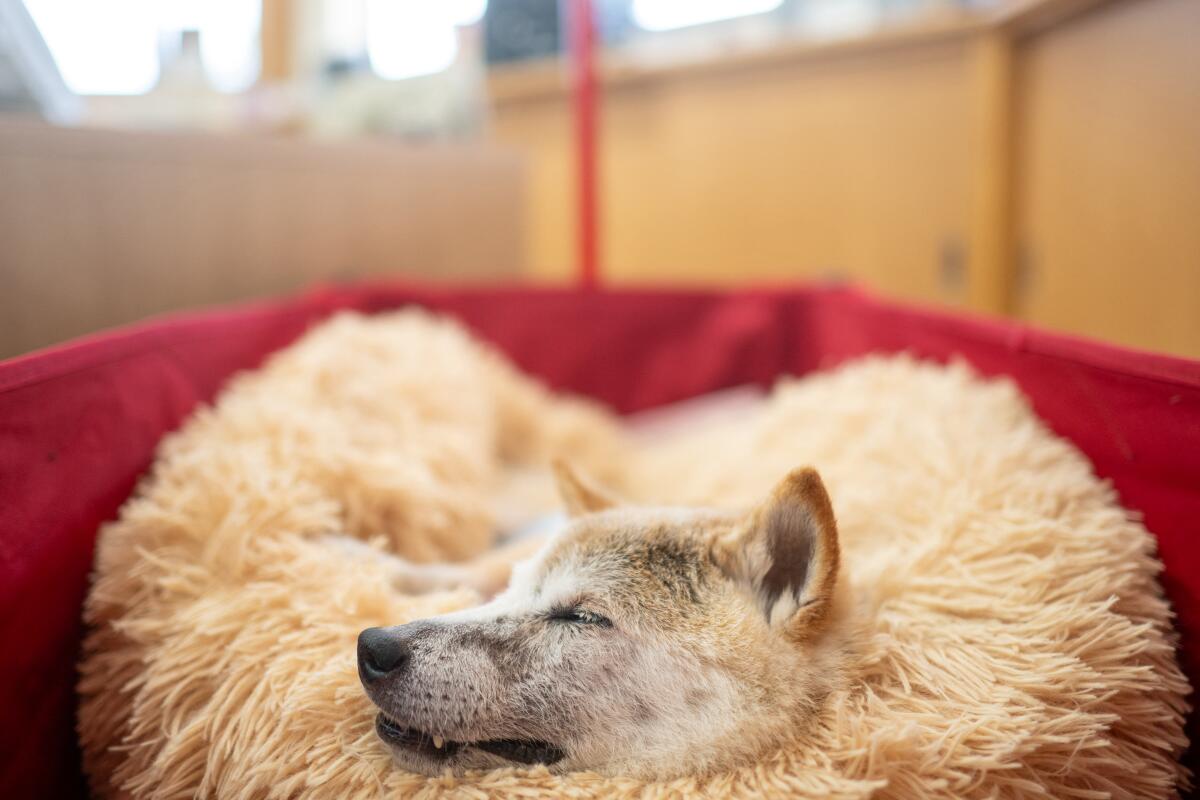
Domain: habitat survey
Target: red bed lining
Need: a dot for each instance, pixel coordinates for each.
(79, 422)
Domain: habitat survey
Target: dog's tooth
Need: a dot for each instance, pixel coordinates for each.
(438, 742)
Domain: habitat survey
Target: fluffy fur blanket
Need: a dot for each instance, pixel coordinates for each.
(1013, 640)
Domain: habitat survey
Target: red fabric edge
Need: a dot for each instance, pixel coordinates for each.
(79, 422)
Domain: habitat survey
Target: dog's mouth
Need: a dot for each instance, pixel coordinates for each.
(521, 751)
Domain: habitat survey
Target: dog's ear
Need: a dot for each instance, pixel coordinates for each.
(786, 551)
(579, 494)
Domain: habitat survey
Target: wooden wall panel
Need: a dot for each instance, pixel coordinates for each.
(1108, 177)
(1041, 159)
(99, 227)
(854, 165)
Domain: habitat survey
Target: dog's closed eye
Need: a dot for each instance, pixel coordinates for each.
(579, 616)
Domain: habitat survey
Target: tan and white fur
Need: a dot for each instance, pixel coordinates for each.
(648, 642)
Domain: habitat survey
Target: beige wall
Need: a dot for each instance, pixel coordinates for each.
(99, 228)
(1034, 164)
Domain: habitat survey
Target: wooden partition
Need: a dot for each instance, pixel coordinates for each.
(103, 227)
(844, 160)
(1041, 160)
(1108, 179)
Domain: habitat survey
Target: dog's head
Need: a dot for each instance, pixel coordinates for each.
(640, 641)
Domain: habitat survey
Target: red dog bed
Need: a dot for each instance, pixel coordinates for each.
(79, 423)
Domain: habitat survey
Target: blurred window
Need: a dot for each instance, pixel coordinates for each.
(118, 46)
(665, 15)
(400, 38)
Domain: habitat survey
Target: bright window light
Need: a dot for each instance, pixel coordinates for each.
(101, 48)
(229, 42)
(343, 27)
(664, 15)
(466, 12)
(113, 47)
(840, 18)
(409, 38)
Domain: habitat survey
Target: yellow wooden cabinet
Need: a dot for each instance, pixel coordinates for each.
(1108, 177)
(1041, 160)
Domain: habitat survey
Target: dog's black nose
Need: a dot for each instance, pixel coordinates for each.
(381, 652)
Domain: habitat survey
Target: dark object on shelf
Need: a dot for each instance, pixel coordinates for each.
(518, 30)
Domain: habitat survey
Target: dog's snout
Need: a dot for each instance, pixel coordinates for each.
(382, 652)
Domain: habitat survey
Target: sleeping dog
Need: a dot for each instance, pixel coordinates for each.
(649, 642)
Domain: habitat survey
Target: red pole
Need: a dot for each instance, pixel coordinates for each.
(583, 37)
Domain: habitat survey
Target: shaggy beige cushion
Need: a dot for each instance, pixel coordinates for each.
(1013, 640)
